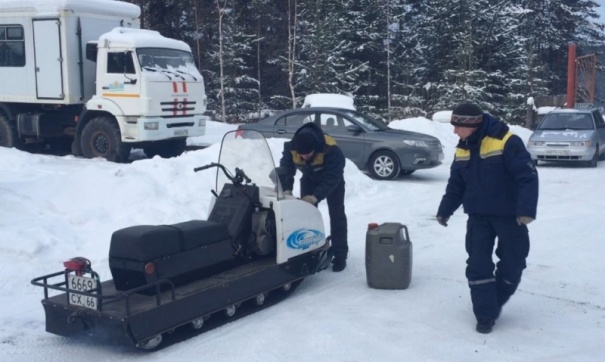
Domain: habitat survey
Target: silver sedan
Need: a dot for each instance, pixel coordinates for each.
(569, 135)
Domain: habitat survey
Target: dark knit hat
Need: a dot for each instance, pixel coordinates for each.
(467, 115)
(304, 143)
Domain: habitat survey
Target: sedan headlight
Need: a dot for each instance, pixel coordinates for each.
(416, 143)
(587, 143)
(535, 143)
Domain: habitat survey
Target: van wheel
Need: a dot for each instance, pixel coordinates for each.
(101, 138)
(8, 134)
(384, 165)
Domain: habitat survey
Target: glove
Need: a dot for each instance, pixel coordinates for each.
(310, 199)
(442, 220)
(524, 220)
(287, 193)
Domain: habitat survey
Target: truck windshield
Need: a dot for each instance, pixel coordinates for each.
(167, 60)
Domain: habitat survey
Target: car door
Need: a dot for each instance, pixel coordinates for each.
(289, 123)
(351, 144)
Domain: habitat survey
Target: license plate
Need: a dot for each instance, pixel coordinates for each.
(557, 152)
(81, 284)
(181, 132)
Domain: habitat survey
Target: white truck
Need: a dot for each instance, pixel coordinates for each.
(82, 73)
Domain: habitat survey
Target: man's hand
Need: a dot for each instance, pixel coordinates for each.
(524, 220)
(287, 193)
(310, 199)
(442, 220)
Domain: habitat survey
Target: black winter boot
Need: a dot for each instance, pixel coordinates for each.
(339, 264)
(485, 326)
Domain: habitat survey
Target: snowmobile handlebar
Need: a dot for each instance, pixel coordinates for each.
(238, 179)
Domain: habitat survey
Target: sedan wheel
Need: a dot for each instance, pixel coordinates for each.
(384, 165)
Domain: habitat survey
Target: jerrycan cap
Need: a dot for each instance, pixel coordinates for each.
(372, 226)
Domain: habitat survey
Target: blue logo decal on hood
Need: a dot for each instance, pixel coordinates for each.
(304, 239)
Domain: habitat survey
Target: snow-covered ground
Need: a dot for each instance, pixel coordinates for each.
(53, 208)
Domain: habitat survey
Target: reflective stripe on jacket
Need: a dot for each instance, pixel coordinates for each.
(492, 174)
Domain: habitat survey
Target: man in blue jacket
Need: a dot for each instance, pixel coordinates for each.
(322, 165)
(494, 179)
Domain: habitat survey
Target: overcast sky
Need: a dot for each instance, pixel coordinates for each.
(601, 9)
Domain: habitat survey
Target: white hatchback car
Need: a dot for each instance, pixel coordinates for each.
(569, 135)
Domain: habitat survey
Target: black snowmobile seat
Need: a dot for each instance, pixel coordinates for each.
(149, 242)
(181, 252)
(196, 233)
(144, 242)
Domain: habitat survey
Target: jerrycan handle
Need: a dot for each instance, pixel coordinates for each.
(405, 235)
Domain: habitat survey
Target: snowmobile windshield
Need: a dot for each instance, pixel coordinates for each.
(248, 151)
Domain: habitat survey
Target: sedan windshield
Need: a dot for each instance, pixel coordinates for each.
(367, 121)
(580, 121)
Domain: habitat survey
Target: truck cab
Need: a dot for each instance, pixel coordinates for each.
(151, 85)
(82, 73)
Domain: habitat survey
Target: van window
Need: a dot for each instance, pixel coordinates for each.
(12, 46)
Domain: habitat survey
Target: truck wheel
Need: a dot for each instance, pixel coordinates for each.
(101, 138)
(8, 134)
(166, 149)
(384, 165)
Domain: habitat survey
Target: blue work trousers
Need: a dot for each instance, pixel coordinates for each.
(491, 285)
(338, 218)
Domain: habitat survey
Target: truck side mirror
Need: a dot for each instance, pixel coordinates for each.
(91, 51)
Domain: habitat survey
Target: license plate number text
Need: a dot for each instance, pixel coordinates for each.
(81, 284)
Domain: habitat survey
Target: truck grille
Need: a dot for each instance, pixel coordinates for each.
(177, 108)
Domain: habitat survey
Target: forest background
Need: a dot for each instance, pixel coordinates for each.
(397, 58)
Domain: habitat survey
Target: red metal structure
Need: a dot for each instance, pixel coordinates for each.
(581, 77)
(571, 76)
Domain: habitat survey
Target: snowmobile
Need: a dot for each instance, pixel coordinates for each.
(256, 241)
